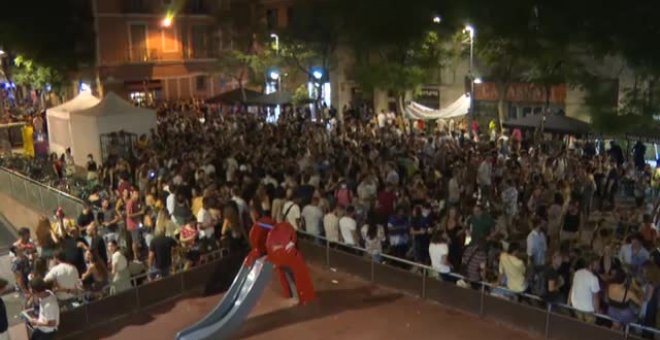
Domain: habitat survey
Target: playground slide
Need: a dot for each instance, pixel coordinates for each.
(223, 306)
(235, 306)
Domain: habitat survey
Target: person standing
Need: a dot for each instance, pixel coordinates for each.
(134, 213)
(120, 276)
(348, 227)
(45, 325)
(537, 244)
(4, 323)
(583, 295)
(92, 168)
(160, 254)
(331, 224)
(312, 216)
(399, 233)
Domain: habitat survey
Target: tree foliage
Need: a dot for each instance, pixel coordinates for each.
(30, 74)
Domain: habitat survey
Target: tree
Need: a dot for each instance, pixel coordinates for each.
(310, 40)
(34, 76)
(398, 49)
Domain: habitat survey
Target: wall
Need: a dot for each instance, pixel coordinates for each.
(17, 214)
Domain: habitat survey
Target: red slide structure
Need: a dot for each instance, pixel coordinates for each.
(277, 241)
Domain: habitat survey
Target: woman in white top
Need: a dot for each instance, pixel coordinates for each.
(439, 254)
(374, 236)
(121, 278)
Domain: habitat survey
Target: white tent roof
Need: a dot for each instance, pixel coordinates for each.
(458, 108)
(112, 105)
(82, 101)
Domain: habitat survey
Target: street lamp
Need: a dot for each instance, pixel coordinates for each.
(277, 42)
(469, 29)
(167, 20)
(437, 19)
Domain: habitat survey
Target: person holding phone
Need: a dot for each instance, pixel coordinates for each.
(46, 323)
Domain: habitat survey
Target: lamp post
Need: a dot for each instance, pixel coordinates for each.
(277, 42)
(469, 29)
(279, 78)
(277, 52)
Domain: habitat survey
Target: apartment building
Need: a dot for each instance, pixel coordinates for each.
(158, 49)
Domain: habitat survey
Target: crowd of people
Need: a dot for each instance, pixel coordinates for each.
(530, 213)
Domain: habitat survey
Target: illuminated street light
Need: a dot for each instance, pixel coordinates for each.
(167, 21)
(274, 75)
(317, 74)
(470, 30)
(2, 52)
(437, 19)
(478, 80)
(277, 42)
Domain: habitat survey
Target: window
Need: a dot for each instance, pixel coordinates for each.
(185, 42)
(138, 42)
(223, 39)
(289, 15)
(199, 41)
(271, 19)
(170, 42)
(200, 83)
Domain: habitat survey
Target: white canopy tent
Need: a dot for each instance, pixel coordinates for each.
(111, 114)
(459, 108)
(58, 118)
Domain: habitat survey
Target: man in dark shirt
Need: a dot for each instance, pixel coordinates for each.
(160, 254)
(72, 246)
(95, 243)
(86, 216)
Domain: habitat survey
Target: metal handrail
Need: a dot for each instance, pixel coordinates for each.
(50, 188)
(427, 269)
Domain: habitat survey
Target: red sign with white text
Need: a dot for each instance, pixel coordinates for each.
(521, 93)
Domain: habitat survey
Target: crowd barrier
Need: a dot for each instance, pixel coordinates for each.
(208, 278)
(532, 315)
(36, 195)
(523, 311)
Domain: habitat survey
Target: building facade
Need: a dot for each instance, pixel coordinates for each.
(158, 49)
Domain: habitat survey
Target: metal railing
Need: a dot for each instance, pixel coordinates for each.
(525, 311)
(143, 294)
(37, 195)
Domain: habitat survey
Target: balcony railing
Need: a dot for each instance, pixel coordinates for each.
(139, 55)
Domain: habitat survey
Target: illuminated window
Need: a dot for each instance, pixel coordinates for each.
(170, 42)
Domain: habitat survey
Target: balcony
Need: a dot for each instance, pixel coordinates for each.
(140, 55)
